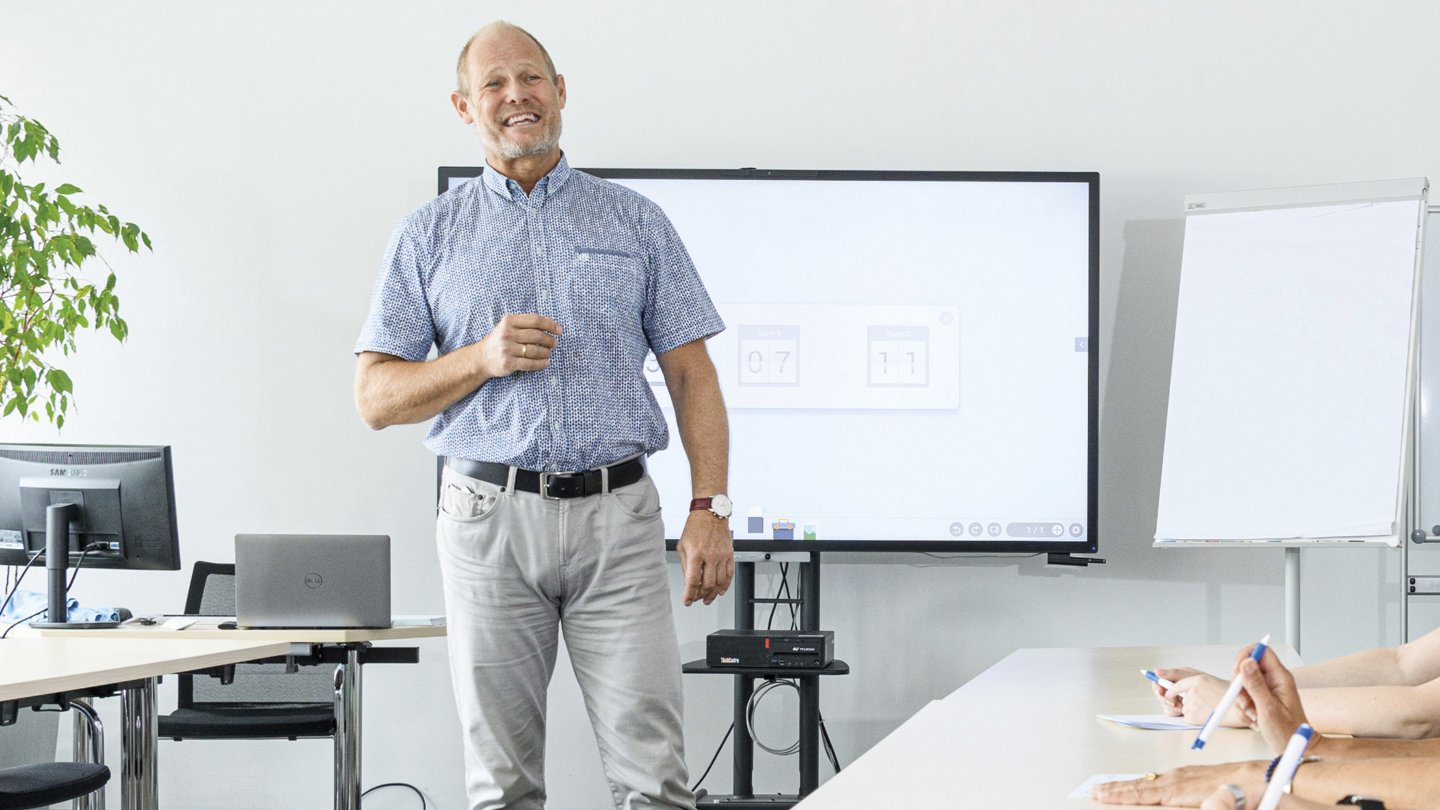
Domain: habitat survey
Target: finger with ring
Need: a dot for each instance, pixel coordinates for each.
(1151, 777)
(1237, 794)
(524, 349)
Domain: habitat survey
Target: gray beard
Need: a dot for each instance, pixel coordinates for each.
(510, 150)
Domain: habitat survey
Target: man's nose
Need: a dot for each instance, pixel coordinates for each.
(516, 92)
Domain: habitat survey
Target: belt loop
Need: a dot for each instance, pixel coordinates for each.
(510, 479)
(604, 480)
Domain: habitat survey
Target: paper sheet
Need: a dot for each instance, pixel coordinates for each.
(1153, 722)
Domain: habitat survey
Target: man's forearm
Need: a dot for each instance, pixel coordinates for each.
(392, 391)
(1406, 712)
(1411, 782)
(1334, 748)
(704, 426)
(1379, 667)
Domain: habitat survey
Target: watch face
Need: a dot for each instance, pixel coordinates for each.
(721, 505)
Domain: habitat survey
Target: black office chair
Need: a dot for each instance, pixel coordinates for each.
(28, 786)
(263, 701)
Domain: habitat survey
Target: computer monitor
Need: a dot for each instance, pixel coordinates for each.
(58, 500)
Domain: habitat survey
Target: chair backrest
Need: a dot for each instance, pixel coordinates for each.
(212, 593)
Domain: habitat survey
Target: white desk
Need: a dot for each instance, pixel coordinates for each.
(1024, 734)
(33, 667)
(347, 676)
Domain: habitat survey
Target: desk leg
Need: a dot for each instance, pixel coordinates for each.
(809, 688)
(347, 732)
(138, 741)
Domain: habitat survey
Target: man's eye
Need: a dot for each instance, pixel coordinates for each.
(492, 83)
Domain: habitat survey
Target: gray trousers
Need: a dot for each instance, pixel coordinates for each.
(518, 569)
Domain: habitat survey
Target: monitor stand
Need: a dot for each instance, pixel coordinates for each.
(58, 518)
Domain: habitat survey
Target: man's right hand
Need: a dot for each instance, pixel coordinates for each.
(519, 342)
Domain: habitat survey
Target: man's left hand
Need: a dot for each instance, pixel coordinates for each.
(707, 557)
(1184, 787)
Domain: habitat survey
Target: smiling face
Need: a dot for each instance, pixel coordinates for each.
(512, 98)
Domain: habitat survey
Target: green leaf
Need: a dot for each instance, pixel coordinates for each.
(66, 188)
(59, 380)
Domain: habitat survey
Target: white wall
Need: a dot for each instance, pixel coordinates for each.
(269, 148)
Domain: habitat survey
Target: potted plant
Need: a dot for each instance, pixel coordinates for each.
(45, 240)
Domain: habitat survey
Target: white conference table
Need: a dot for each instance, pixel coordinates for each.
(32, 667)
(347, 675)
(1024, 734)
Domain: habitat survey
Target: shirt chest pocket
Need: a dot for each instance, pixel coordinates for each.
(607, 286)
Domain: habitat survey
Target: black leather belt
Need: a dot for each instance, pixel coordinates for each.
(551, 485)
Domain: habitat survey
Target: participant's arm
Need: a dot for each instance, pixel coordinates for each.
(1405, 712)
(707, 556)
(1407, 665)
(390, 390)
(1399, 782)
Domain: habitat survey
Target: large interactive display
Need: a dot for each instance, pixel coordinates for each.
(909, 358)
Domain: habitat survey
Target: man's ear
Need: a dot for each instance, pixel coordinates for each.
(560, 89)
(462, 107)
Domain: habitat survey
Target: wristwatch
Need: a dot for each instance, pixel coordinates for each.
(718, 505)
(1363, 801)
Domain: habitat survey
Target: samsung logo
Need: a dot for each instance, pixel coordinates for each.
(62, 472)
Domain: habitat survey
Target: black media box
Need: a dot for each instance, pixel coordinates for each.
(795, 649)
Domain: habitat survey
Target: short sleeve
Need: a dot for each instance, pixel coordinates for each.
(400, 323)
(678, 309)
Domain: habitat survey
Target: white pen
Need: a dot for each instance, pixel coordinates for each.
(1150, 674)
(1285, 768)
(1226, 702)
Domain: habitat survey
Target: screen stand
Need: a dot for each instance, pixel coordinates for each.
(58, 518)
(1057, 558)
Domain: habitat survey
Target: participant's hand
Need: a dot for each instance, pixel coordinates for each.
(1199, 694)
(1170, 698)
(707, 557)
(1185, 787)
(1270, 694)
(519, 342)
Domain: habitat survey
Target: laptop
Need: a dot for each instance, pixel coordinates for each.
(312, 580)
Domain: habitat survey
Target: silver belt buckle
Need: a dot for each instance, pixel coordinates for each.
(545, 484)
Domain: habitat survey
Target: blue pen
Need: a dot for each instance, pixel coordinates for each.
(1229, 700)
(1156, 679)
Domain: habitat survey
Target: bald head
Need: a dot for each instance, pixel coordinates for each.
(495, 30)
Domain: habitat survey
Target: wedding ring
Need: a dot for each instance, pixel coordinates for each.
(1151, 777)
(1238, 795)
(524, 349)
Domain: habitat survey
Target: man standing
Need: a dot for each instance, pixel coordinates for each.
(542, 289)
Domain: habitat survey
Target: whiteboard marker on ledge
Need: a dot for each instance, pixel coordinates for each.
(1223, 708)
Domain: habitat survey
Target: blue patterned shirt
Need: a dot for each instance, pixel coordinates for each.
(600, 259)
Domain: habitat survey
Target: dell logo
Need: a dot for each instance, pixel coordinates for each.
(313, 580)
